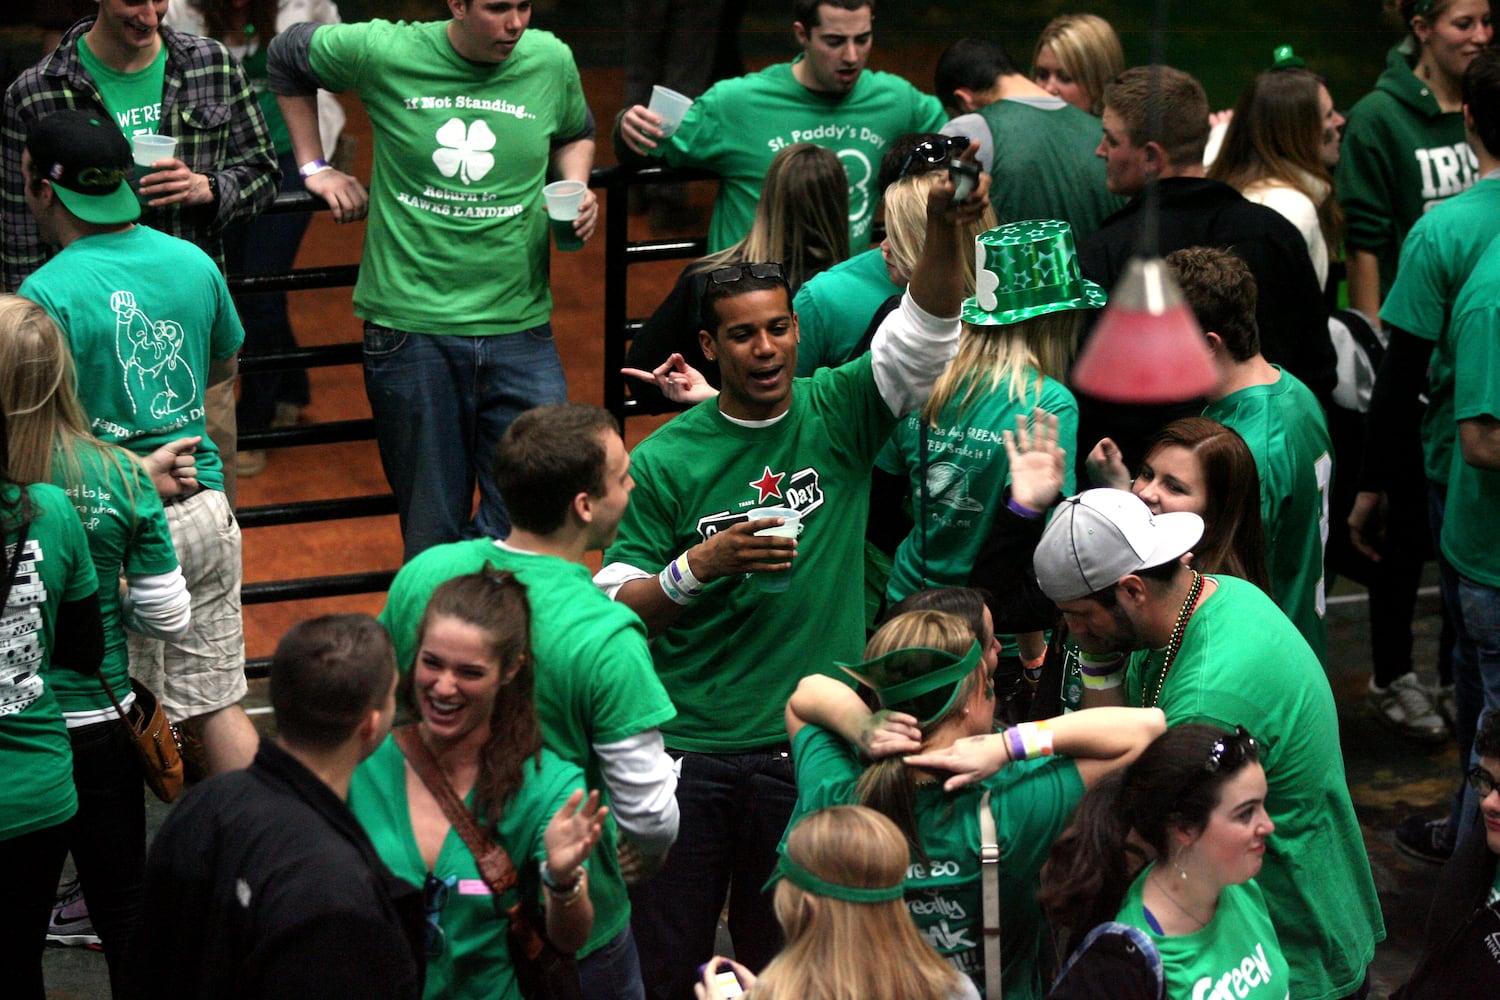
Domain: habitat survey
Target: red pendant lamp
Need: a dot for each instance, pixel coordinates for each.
(1147, 347)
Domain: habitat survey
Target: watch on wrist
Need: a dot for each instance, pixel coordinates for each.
(213, 188)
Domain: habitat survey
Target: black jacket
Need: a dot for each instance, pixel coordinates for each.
(1290, 309)
(1457, 957)
(262, 883)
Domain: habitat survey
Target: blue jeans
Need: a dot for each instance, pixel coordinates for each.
(1480, 608)
(734, 809)
(268, 245)
(441, 404)
(1468, 695)
(614, 971)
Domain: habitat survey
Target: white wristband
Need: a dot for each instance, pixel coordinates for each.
(314, 167)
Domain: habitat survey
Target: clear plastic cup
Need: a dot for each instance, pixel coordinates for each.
(563, 200)
(148, 147)
(776, 581)
(671, 106)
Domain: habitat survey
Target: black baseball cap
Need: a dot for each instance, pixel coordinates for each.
(88, 161)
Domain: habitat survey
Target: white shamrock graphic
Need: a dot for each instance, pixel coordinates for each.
(468, 153)
(986, 282)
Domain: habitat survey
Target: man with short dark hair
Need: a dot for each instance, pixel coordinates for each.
(730, 642)
(565, 476)
(824, 96)
(1155, 127)
(1155, 633)
(126, 66)
(261, 882)
(150, 323)
(1039, 148)
(472, 117)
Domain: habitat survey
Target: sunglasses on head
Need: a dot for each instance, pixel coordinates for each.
(934, 151)
(735, 272)
(1231, 751)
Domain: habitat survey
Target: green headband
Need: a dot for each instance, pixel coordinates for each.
(806, 880)
(892, 677)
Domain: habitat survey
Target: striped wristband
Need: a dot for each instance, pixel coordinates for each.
(1101, 673)
(678, 582)
(1029, 739)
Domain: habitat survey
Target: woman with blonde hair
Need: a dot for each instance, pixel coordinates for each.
(1019, 334)
(1275, 154)
(934, 684)
(1076, 55)
(801, 222)
(128, 536)
(838, 883)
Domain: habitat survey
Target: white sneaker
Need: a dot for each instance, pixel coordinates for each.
(1407, 707)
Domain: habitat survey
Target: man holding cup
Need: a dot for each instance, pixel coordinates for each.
(147, 79)
(472, 116)
(691, 558)
(824, 96)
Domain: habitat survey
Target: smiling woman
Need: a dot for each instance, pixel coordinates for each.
(472, 689)
(1196, 798)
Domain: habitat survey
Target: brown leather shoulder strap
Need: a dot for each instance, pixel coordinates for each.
(494, 863)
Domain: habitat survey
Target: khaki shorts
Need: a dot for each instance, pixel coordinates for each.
(204, 670)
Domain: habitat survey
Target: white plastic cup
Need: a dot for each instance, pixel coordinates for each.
(776, 581)
(563, 200)
(671, 106)
(148, 147)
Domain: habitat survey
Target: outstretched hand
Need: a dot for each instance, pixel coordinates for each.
(971, 759)
(678, 381)
(572, 833)
(1106, 466)
(1038, 463)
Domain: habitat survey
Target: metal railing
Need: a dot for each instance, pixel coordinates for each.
(620, 253)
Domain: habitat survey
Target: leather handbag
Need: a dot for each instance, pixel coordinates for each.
(155, 740)
(543, 972)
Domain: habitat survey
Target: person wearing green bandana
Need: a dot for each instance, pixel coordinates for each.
(1215, 649)
(935, 686)
(840, 880)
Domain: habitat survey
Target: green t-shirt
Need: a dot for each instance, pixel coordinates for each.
(735, 654)
(475, 960)
(739, 125)
(457, 238)
(595, 682)
(834, 309)
(53, 567)
(967, 474)
(1471, 531)
(144, 313)
(127, 533)
(1401, 156)
(1031, 801)
(133, 99)
(1045, 166)
(1283, 425)
(1235, 957)
(1243, 663)
(1439, 254)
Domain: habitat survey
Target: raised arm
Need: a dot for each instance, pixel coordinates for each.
(915, 343)
(1099, 739)
(823, 701)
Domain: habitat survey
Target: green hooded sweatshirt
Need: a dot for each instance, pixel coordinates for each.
(1401, 156)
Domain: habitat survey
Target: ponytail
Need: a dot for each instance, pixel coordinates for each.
(1092, 863)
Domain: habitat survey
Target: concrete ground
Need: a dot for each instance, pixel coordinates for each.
(1389, 778)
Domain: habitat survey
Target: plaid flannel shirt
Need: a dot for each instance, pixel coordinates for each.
(206, 102)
